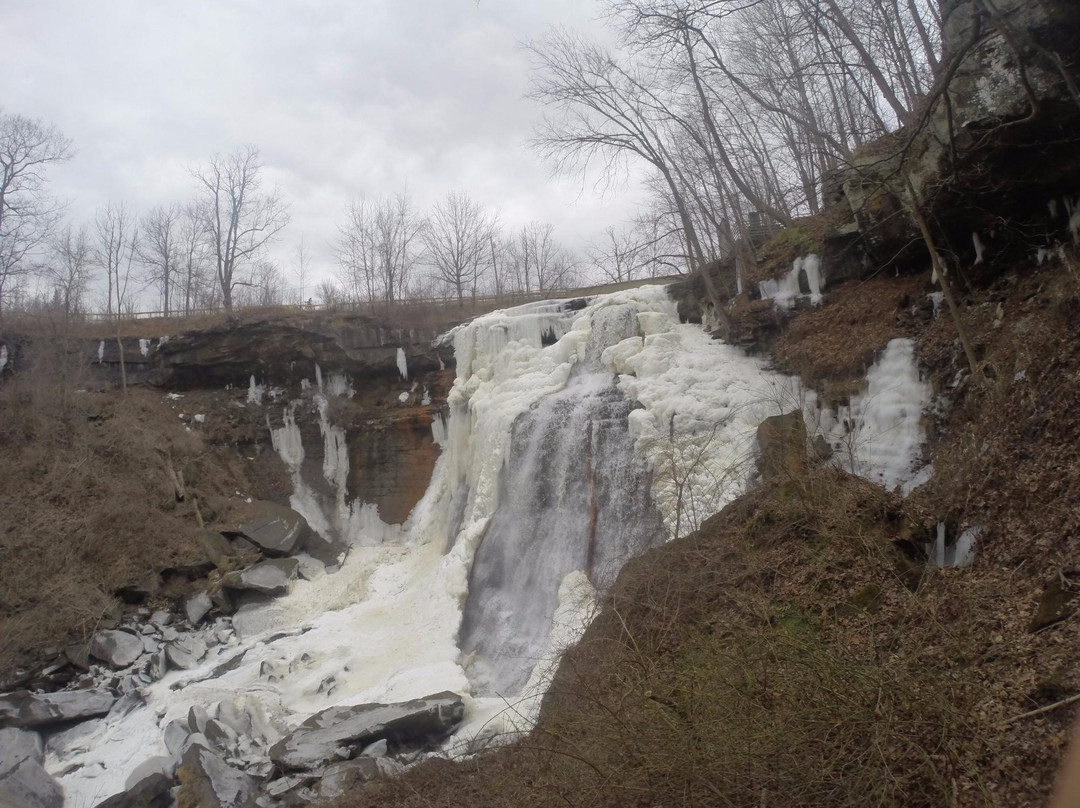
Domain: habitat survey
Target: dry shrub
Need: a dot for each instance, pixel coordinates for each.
(87, 501)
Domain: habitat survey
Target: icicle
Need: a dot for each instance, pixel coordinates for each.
(402, 364)
(980, 248)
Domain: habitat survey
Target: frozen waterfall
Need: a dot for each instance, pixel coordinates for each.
(579, 433)
(573, 496)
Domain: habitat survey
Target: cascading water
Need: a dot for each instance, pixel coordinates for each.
(578, 434)
(573, 496)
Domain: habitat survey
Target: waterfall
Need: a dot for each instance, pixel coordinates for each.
(579, 433)
(573, 496)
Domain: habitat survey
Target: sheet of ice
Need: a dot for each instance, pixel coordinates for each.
(144, 347)
(402, 364)
(101, 352)
(786, 290)
(880, 435)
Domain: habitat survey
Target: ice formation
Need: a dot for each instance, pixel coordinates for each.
(619, 377)
(144, 347)
(786, 290)
(402, 364)
(255, 391)
(959, 553)
(880, 434)
(3, 357)
(101, 352)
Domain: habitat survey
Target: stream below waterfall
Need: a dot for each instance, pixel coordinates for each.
(576, 438)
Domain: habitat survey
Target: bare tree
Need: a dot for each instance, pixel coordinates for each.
(542, 262)
(378, 247)
(618, 256)
(27, 215)
(161, 250)
(238, 221)
(200, 290)
(301, 271)
(116, 238)
(458, 239)
(69, 268)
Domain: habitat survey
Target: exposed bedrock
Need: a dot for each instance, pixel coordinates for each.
(278, 351)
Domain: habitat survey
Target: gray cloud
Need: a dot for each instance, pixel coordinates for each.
(341, 97)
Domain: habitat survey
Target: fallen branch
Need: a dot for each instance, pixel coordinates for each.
(1046, 709)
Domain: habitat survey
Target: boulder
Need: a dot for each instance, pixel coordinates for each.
(23, 779)
(154, 791)
(278, 530)
(165, 765)
(186, 652)
(23, 709)
(267, 577)
(310, 569)
(318, 740)
(782, 443)
(209, 782)
(117, 649)
(198, 606)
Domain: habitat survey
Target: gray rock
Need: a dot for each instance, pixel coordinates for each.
(28, 785)
(197, 718)
(170, 634)
(164, 765)
(310, 569)
(198, 606)
(17, 745)
(277, 531)
(176, 732)
(23, 709)
(161, 619)
(267, 577)
(153, 791)
(127, 704)
(186, 652)
(212, 783)
(117, 649)
(219, 733)
(316, 742)
(150, 644)
(158, 666)
(275, 788)
(23, 779)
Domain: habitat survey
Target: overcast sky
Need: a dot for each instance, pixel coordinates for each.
(342, 97)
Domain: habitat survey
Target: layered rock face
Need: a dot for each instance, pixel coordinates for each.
(997, 145)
